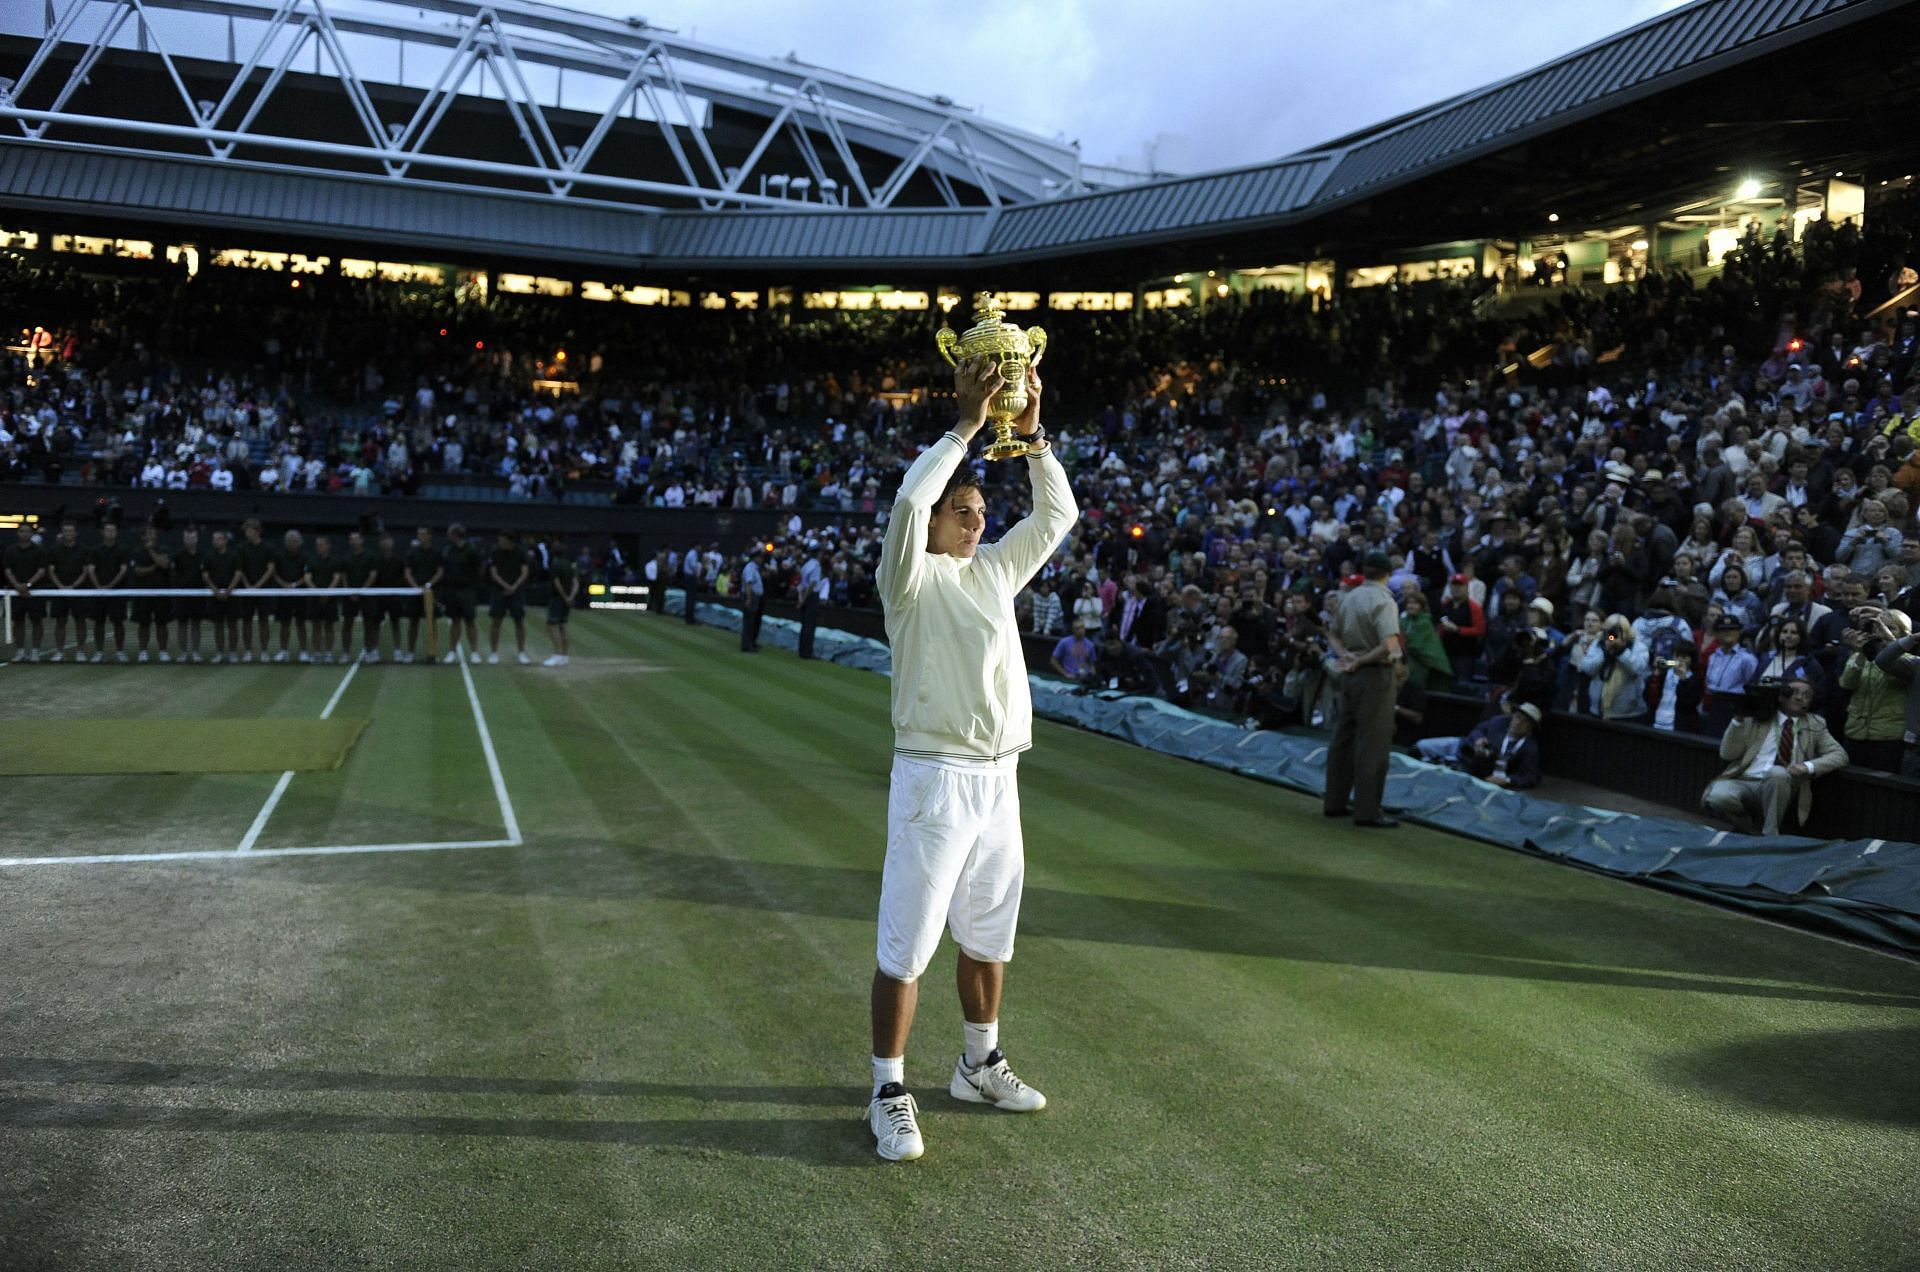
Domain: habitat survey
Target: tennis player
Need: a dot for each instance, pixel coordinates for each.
(961, 716)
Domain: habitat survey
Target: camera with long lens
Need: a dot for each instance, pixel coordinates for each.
(1758, 701)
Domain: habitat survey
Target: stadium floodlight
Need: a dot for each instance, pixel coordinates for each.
(1639, 245)
(1553, 218)
(1748, 189)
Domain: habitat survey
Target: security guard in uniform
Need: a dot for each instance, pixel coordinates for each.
(1367, 625)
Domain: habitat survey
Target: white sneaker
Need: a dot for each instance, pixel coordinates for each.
(217, 659)
(373, 655)
(305, 657)
(524, 660)
(552, 661)
(403, 656)
(143, 656)
(57, 656)
(453, 656)
(894, 1119)
(993, 1083)
(197, 659)
(280, 657)
(20, 655)
(493, 660)
(246, 657)
(99, 656)
(120, 655)
(475, 657)
(167, 657)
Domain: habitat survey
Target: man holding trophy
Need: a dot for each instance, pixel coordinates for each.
(961, 716)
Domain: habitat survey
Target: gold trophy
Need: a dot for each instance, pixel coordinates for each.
(1015, 350)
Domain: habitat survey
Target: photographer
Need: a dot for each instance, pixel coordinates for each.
(1774, 750)
(1616, 668)
(1876, 720)
(1897, 659)
(1502, 749)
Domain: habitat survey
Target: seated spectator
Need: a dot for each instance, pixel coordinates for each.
(1774, 750)
(1734, 597)
(1870, 542)
(1503, 749)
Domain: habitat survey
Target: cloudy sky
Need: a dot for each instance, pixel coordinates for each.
(1217, 82)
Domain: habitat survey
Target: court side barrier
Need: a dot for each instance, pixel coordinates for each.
(1864, 889)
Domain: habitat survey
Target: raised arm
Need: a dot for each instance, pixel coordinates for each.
(904, 549)
(1022, 550)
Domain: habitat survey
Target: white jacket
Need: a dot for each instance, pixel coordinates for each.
(959, 674)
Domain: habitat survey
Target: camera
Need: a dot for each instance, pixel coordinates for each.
(1760, 700)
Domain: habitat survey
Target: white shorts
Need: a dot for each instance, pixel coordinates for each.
(954, 856)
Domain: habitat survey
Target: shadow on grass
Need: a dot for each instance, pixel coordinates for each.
(840, 1142)
(1841, 1075)
(1262, 914)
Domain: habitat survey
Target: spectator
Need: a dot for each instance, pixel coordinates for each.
(1616, 671)
(1073, 655)
(1775, 749)
(1730, 668)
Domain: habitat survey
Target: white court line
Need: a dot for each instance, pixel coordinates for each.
(222, 854)
(280, 787)
(507, 818)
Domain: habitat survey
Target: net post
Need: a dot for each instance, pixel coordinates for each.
(433, 627)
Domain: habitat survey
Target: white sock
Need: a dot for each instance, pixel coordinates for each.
(888, 1069)
(981, 1040)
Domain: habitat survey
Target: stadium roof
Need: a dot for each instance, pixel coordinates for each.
(1666, 107)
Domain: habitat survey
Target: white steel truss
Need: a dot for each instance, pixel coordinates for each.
(639, 76)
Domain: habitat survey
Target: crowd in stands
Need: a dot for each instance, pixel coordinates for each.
(1633, 501)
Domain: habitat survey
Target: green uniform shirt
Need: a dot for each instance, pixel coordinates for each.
(24, 562)
(223, 567)
(187, 566)
(325, 569)
(107, 562)
(69, 564)
(425, 563)
(390, 571)
(507, 563)
(290, 565)
(463, 565)
(254, 560)
(358, 567)
(564, 574)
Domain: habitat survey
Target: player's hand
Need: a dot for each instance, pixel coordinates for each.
(1029, 420)
(1798, 770)
(975, 381)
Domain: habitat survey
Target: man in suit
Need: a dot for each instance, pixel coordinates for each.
(1772, 759)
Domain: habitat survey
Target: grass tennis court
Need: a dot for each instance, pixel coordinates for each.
(638, 1038)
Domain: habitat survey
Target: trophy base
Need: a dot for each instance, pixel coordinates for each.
(1006, 444)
